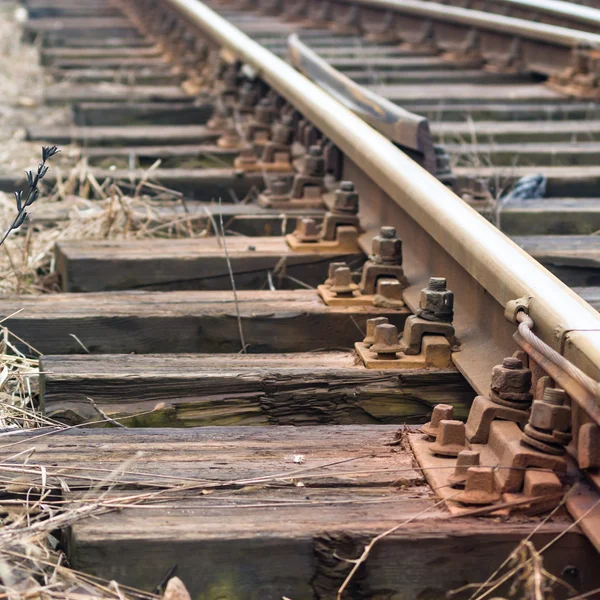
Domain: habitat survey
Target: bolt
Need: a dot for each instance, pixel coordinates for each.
(314, 163)
(264, 112)
(548, 429)
(549, 417)
(450, 439)
(480, 487)
(283, 131)
(554, 396)
(436, 302)
(346, 199)
(465, 460)
(248, 96)
(371, 325)
(385, 341)
(511, 383)
(332, 269)
(342, 283)
(386, 247)
(441, 412)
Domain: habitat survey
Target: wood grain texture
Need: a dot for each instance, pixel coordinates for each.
(552, 216)
(286, 534)
(245, 219)
(132, 135)
(102, 265)
(234, 389)
(178, 322)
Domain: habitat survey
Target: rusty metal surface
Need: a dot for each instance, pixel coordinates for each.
(557, 12)
(408, 130)
(473, 18)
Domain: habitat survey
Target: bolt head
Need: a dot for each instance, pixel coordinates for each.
(511, 379)
(346, 199)
(387, 250)
(440, 304)
(385, 339)
(333, 267)
(371, 326)
(342, 281)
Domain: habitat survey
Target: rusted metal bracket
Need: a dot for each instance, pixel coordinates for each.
(339, 230)
(307, 188)
(427, 342)
(382, 277)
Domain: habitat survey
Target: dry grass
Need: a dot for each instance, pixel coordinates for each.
(32, 565)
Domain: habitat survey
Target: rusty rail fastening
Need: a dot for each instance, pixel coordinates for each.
(429, 231)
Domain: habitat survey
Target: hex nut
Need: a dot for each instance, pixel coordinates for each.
(511, 378)
(436, 302)
(387, 250)
(549, 417)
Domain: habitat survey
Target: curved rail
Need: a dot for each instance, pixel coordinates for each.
(408, 130)
(540, 32)
(442, 234)
(569, 14)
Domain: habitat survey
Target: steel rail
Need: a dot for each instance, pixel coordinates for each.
(441, 231)
(561, 10)
(541, 32)
(409, 131)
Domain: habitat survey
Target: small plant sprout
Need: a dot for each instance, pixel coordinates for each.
(33, 192)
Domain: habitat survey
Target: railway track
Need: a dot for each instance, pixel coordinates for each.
(302, 406)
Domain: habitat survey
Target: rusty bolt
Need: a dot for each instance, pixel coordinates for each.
(249, 93)
(346, 199)
(332, 269)
(307, 230)
(480, 487)
(511, 381)
(342, 282)
(314, 163)
(550, 413)
(450, 439)
(465, 460)
(264, 112)
(371, 325)
(390, 289)
(436, 302)
(441, 412)
(284, 130)
(385, 341)
(386, 247)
